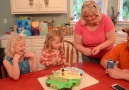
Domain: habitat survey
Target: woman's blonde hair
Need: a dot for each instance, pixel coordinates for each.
(12, 43)
(50, 37)
(93, 7)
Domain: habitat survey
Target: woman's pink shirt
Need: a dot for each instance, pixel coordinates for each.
(92, 39)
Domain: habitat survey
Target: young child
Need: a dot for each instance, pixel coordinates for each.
(53, 53)
(17, 61)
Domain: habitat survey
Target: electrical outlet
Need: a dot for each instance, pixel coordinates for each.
(5, 21)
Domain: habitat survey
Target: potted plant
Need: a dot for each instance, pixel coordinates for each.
(114, 15)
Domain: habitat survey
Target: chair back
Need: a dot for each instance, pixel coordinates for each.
(3, 72)
(72, 55)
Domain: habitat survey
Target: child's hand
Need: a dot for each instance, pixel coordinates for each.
(29, 55)
(17, 57)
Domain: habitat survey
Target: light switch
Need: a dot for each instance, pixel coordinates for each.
(5, 21)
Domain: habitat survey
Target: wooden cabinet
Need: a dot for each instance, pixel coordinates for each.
(38, 6)
(54, 6)
(28, 45)
(37, 49)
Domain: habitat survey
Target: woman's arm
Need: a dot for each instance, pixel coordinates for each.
(111, 37)
(79, 46)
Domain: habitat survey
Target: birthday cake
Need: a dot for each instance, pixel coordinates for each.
(65, 78)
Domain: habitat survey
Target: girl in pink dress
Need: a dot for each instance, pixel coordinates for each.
(53, 53)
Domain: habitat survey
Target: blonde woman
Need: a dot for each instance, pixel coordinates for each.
(17, 61)
(94, 33)
(53, 53)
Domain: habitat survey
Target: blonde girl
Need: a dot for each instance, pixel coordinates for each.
(53, 53)
(17, 61)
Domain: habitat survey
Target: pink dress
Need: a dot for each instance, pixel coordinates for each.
(92, 39)
(52, 58)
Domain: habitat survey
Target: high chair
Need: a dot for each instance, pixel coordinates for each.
(72, 55)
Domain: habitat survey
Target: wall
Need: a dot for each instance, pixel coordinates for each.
(60, 18)
(114, 3)
(5, 6)
(5, 13)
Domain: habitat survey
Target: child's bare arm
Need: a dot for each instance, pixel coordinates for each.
(13, 69)
(32, 59)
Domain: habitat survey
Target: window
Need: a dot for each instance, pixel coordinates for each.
(76, 8)
(123, 8)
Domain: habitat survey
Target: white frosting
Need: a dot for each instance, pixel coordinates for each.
(69, 73)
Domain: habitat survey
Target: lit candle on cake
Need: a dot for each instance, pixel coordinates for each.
(63, 72)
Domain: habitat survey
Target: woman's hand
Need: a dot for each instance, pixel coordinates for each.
(87, 52)
(95, 51)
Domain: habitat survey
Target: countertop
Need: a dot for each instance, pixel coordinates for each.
(121, 34)
(6, 37)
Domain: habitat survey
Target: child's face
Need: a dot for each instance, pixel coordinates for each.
(20, 47)
(56, 43)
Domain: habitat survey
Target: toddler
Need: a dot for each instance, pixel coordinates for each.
(17, 61)
(53, 53)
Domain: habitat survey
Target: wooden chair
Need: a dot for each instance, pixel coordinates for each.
(72, 55)
(3, 72)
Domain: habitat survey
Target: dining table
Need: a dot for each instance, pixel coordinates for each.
(30, 81)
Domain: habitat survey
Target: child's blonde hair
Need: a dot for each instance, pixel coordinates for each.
(12, 43)
(90, 4)
(50, 38)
